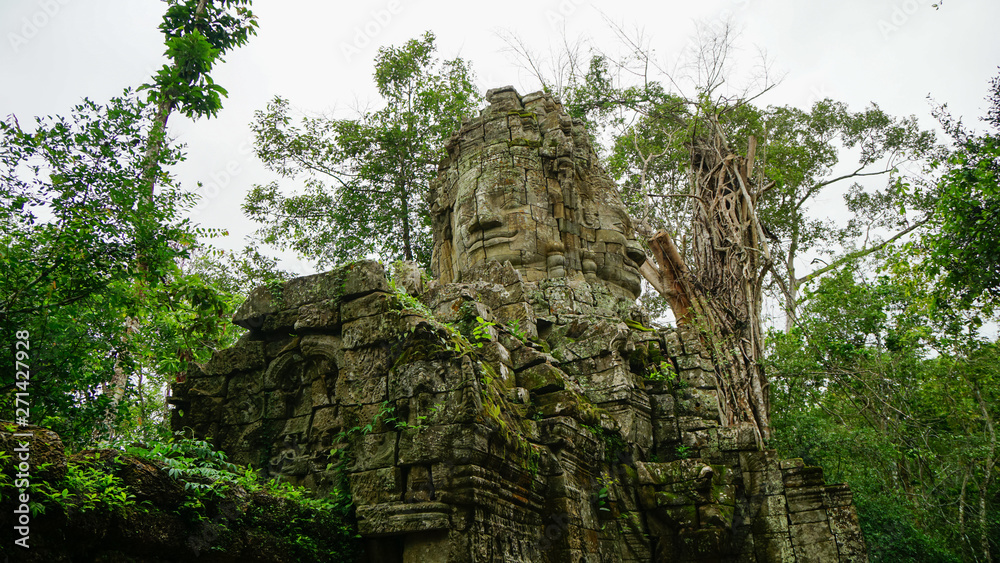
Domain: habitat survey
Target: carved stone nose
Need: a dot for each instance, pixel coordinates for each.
(485, 220)
(635, 253)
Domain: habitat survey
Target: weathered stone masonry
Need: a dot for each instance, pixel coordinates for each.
(560, 427)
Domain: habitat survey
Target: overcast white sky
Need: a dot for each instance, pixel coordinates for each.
(319, 55)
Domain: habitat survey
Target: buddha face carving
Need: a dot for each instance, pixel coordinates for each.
(521, 184)
(491, 220)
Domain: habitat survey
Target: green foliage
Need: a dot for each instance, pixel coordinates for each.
(207, 473)
(90, 487)
(364, 177)
(663, 372)
(514, 328)
(87, 249)
(602, 498)
(799, 154)
(878, 386)
(482, 332)
(194, 44)
(92, 256)
(195, 462)
(963, 246)
(230, 499)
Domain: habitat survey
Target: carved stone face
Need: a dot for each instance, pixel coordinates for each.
(491, 220)
(522, 184)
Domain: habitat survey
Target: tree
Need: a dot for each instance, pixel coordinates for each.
(197, 33)
(92, 254)
(721, 189)
(797, 153)
(874, 385)
(78, 220)
(964, 243)
(365, 177)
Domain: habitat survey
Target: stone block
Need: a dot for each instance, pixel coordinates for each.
(409, 380)
(763, 482)
(318, 394)
(243, 356)
(361, 278)
(359, 389)
(819, 552)
(795, 463)
(805, 499)
(323, 315)
(698, 378)
(285, 371)
(774, 547)
(391, 519)
(807, 517)
(347, 282)
(280, 322)
(737, 438)
(699, 440)
(803, 477)
(277, 405)
(716, 516)
(541, 378)
(326, 425)
(374, 451)
(214, 386)
(365, 306)
(458, 443)
(298, 426)
(673, 472)
(698, 544)
(810, 533)
(368, 331)
(847, 533)
(665, 431)
(662, 405)
(241, 409)
(701, 403)
(837, 495)
(559, 403)
(376, 486)
(694, 423)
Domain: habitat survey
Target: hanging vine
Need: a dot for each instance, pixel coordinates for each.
(719, 291)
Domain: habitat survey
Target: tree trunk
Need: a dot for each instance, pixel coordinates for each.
(404, 208)
(984, 536)
(157, 142)
(158, 135)
(791, 296)
(720, 294)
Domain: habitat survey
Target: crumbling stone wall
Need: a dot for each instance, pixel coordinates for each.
(509, 411)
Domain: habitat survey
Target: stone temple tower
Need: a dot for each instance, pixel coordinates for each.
(519, 407)
(521, 183)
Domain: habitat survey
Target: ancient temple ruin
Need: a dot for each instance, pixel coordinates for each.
(518, 405)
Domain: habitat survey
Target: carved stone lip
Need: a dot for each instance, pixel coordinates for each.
(493, 238)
